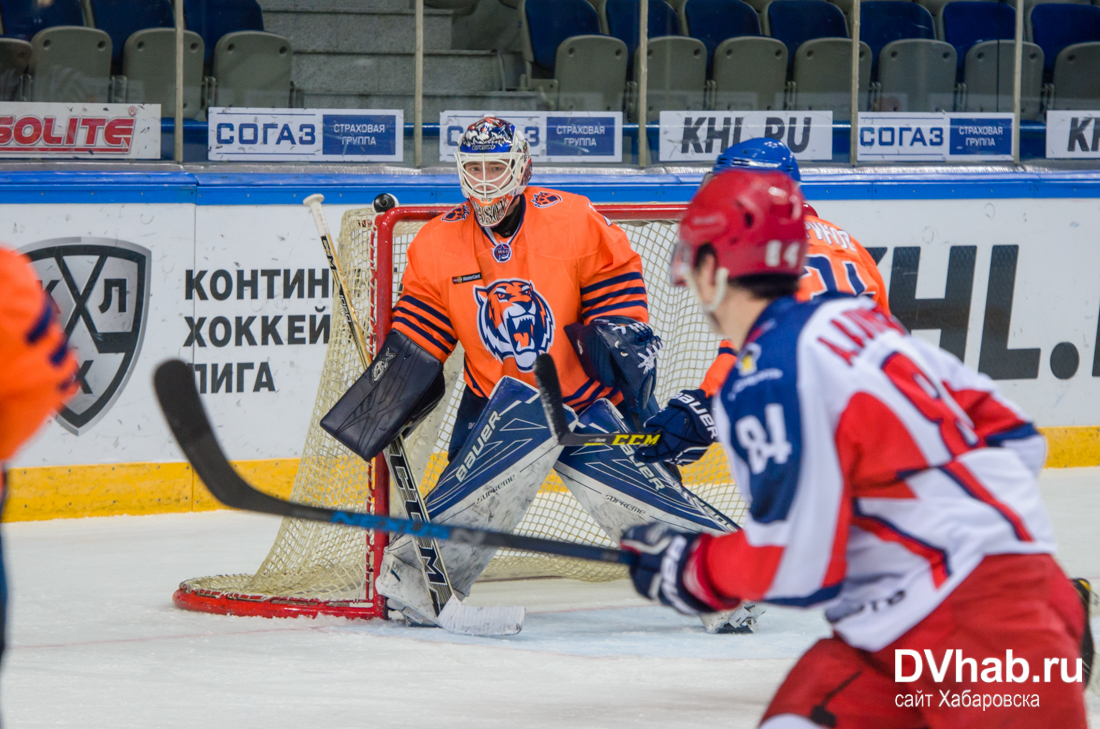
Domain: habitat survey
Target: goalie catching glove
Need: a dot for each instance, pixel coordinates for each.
(669, 570)
(686, 428)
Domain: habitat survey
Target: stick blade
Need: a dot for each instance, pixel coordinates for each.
(546, 375)
(481, 621)
(174, 383)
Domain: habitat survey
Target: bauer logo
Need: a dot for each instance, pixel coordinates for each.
(514, 320)
(101, 288)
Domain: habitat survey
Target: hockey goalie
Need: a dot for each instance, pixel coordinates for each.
(512, 273)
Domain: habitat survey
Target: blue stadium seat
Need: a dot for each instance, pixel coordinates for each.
(966, 23)
(796, 21)
(622, 21)
(552, 21)
(885, 21)
(1056, 26)
(122, 18)
(213, 19)
(713, 21)
(23, 18)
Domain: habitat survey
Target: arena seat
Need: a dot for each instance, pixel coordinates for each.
(750, 74)
(989, 72)
(823, 75)
(846, 8)
(713, 21)
(1056, 26)
(885, 21)
(1070, 38)
(149, 65)
(1076, 82)
(1031, 4)
(622, 21)
(917, 75)
(122, 18)
(677, 75)
(968, 22)
(568, 61)
(796, 21)
(249, 67)
(15, 59)
(24, 18)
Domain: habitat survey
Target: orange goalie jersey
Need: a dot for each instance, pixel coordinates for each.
(36, 368)
(509, 300)
(835, 261)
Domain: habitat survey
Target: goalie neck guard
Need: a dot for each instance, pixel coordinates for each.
(490, 187)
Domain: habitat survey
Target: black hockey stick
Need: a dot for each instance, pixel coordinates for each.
(179, 399)
(546, 374)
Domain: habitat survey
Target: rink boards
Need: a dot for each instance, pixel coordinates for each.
(225, 272)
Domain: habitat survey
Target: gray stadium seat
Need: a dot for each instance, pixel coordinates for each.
(677, 75)
(1076, 81)
(149, 65)
(917, 75)
(981, 74)
(71, 64)
(15, 58)
(252, 68)
(750, 74)
(823, 73)
(590, 71)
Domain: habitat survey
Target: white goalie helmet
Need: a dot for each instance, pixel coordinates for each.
(494, 167)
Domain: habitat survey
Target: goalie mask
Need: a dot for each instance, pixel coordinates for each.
(494, 166)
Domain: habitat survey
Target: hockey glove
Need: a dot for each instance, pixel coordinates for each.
(663, 553)
(620, 352)
(686, 428)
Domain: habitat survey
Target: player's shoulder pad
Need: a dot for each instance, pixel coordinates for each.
(823, 231)
(843, 326)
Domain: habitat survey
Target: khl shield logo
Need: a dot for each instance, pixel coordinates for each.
(101, 287)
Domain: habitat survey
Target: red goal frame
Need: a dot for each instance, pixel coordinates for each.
(225, 603)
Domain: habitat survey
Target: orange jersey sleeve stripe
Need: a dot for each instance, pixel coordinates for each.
(425, 325)
(620, 295)
(719, 369)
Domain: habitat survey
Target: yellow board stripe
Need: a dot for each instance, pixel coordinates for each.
(66, 492)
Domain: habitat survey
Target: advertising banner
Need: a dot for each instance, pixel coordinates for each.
(100, 131)
(700, 136)
(1073, 135)
(305, 135)
(934, 137)
(554, 136)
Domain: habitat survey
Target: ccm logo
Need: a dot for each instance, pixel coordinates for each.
(79, 134)
(637, 439)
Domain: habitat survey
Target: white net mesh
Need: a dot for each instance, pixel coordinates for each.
(320, 562)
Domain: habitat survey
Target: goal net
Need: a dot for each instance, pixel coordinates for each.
(315, 568)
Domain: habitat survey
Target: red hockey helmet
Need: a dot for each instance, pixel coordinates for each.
(752, 219)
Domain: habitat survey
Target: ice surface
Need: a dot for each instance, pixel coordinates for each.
(96, 642)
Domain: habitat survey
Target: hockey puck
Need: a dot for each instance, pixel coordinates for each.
(384, 202)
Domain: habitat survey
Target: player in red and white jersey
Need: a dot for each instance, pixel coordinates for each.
(874, 492)
(835, 262)
(513, 273)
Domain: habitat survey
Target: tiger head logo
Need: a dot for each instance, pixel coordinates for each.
(514, 320)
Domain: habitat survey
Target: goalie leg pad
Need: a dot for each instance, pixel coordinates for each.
(619, 492)
(490, 484)
(396, 392)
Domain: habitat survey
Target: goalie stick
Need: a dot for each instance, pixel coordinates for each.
(546, 374)
(174, 383)
(460, 618)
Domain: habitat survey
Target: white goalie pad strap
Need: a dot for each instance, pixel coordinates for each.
(619, 492)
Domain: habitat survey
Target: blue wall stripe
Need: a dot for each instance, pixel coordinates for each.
(215, 188)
